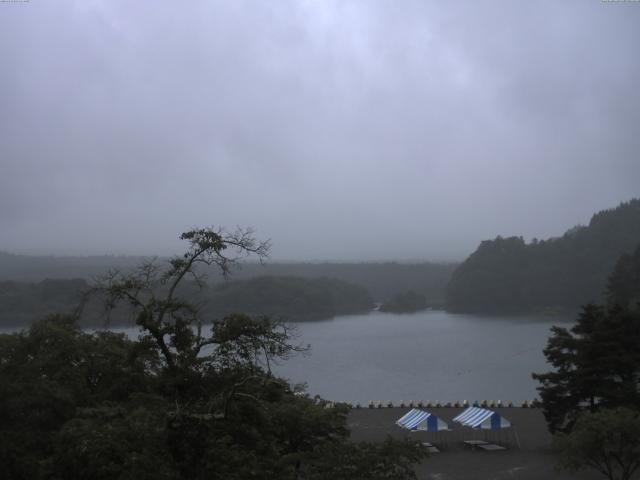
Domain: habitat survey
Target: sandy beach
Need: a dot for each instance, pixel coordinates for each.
(533, 460)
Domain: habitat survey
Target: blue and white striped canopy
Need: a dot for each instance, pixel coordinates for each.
(420, 420)
(476, 417)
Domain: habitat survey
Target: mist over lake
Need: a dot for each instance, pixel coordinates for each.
(429, 355)
(422, 189)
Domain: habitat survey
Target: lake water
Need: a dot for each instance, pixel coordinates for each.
(430, 355)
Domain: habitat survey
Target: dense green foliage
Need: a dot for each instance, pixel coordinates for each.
(624, 283)
(382, 280)
(405, 302)
(100, 406)
(607, 441)
(507, 274)
(597, 362)
(596, 365)
(294, 299)
(181, 402)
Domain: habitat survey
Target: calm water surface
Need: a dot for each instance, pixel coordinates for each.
(430, 355)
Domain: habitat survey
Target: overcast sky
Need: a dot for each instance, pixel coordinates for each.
(339, 129)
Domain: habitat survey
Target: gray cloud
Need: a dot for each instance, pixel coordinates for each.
(339, 129)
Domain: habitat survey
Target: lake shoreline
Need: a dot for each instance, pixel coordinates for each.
(429, 356)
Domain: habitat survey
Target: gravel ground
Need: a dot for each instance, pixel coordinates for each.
(534, 460)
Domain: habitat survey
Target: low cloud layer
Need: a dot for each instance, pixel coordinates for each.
(339, 129)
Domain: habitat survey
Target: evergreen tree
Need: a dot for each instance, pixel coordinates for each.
(624, 283)
(597, 362)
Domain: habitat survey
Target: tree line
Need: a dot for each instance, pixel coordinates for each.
(381, 279)
(508, 274)
(290, 298)
(187, 400)
(591, 398)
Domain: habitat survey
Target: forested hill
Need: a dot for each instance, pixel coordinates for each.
(507, 274)
(383, 280)
(290, 298)
(286, 298)
(35, 268)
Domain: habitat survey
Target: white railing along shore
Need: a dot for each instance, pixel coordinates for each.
(535, 403)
